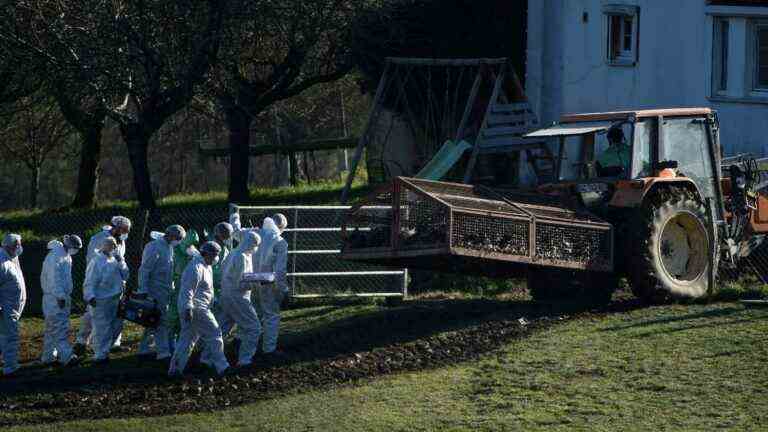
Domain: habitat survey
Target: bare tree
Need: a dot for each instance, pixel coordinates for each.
(273, 51)
(87, 116)
(32, 129)
(140, 60)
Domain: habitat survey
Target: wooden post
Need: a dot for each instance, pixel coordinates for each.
(470, 104)
(364, 137)
(479, 139)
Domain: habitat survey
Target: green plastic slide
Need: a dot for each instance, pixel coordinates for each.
(444, 160)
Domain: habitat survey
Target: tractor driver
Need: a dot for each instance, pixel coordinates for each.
(615, 160)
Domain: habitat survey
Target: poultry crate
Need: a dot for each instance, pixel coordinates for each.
(475, 229)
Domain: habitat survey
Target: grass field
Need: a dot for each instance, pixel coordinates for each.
(679, 367)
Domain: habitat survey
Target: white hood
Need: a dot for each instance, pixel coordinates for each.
(55, 244)
(270, 226)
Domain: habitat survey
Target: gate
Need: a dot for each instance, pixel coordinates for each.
(314, 248)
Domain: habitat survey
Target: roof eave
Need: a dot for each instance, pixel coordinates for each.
(625, 115)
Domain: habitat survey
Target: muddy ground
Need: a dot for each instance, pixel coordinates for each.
(412, 336)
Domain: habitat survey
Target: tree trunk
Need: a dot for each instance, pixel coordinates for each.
(305, 162)
(294, 168)
(239, 124)
(88, 174)
(35, 190)
(137, 142)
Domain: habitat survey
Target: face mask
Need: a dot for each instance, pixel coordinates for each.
(110, 253)
(175, 243)
(19, 251)
(73, 251)
(215, 260)
(123, 237)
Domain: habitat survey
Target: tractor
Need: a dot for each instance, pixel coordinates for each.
(643, 195)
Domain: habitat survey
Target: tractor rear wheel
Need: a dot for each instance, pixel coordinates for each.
(548, 285)
(673, 244)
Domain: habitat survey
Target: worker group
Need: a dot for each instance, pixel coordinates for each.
(220, 290)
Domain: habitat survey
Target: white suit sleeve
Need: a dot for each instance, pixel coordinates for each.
(148, 262)
(190, 280)
(92, 279)
(91, 252)
(281, 264)
(62, 279)
(124, 272)
(236, 269)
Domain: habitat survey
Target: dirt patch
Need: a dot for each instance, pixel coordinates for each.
(411, 337)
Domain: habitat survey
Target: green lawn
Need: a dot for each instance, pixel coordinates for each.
(698, 367)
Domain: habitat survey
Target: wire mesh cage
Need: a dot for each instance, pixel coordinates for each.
(456, 227)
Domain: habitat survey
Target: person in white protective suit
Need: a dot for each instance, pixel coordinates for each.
(222, 235)
(272, 257)
(56, 283)
(197, 320)
(236, 297)
(104, 278)
(119, 228)
(13, 296)
(156, 282)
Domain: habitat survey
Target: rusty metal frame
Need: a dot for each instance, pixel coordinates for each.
(521, 212)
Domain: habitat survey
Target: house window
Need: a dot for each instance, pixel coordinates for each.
(720, 55)
(622, 34)
(760, 41)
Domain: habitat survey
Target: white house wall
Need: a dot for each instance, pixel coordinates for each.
(567, 69)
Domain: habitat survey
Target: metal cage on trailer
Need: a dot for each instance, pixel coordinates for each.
(314, 249)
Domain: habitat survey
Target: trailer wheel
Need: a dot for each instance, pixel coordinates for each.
(550, 285)
(673, 245)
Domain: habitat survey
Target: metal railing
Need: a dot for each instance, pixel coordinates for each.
(314, 246)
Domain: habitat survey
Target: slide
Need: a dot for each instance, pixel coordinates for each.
(444, 160)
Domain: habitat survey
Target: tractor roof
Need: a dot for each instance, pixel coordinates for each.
(622, 115)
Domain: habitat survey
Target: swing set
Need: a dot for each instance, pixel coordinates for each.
(456, 119)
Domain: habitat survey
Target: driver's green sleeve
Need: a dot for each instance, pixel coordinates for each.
(616, 156)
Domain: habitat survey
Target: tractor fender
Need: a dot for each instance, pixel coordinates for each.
(631, 193)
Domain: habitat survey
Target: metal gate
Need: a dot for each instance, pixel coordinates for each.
(314, 246)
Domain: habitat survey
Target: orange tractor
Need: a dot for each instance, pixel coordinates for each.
(643, 195)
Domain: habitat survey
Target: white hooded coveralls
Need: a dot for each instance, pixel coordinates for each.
(86, 324)
(156, 280)
(236, 298)
(13, 296)
(56, 283)
(196, 294)
(104, 279)
(271, 257)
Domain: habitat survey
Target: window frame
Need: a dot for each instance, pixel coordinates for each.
(720, 55)
(753, 73)
(624, 57)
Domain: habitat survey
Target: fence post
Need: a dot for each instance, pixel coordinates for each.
(295, 248)
(405, 283)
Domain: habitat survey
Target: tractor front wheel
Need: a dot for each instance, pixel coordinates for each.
(673, 244)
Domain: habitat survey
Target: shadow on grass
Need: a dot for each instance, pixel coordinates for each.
(698, 326)
(714, 313)
(311, 313)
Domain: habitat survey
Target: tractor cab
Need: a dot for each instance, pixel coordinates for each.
(600, 153)
(590, 150)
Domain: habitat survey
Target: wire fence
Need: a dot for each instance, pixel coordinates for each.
(38, 230)
(314, 246)
(750, 265)
(313, 237)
